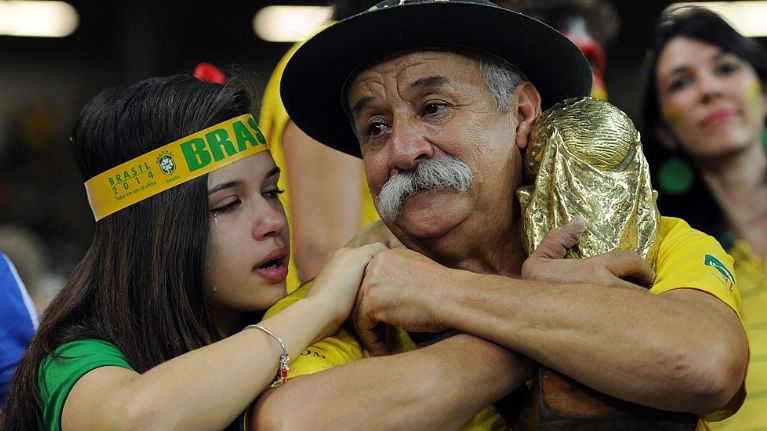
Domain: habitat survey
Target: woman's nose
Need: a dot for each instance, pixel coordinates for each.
(270, 221)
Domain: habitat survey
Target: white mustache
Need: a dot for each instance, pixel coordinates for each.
(447, 171)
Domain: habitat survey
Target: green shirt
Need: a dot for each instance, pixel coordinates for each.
(57, 376)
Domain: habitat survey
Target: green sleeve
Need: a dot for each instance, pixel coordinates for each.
(57, 375)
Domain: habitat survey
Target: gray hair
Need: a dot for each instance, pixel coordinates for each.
(501, 78)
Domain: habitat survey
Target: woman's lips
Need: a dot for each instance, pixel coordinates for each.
(718, 117)
(273, 268)
(274, 273)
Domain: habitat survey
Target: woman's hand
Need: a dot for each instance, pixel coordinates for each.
(374, 232)
(336, 285)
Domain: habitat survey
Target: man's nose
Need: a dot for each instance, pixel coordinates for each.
(409, 144)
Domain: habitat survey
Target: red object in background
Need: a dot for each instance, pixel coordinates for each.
(209, 73)
(596, 57)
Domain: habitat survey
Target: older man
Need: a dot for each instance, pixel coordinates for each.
(441, 96)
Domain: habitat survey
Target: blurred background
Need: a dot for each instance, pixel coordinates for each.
(45, 222)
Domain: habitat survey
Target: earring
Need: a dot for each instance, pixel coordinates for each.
(675, 176)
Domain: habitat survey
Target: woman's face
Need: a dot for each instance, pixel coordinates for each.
(711, 101)
(249, 240)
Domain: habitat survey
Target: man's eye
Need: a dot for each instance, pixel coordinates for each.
(376, 129)
(432, 108)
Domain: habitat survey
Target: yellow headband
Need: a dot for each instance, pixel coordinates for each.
(174, 164)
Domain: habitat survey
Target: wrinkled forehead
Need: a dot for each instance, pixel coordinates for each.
(471, 58)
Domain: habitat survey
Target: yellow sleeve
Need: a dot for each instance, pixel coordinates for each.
(690, 259)
(339, 349)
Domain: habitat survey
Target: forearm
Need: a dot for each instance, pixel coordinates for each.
(421, 389)
(207, 388)
(663, 351)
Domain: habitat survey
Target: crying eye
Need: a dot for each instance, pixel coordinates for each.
(226, 207)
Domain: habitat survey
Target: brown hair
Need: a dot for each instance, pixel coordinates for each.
(141, 283)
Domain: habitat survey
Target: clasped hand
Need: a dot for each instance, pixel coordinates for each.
(408, 290)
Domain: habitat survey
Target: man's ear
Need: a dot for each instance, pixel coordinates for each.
(528, 108)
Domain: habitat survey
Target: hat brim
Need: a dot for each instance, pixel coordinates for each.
(314, 78)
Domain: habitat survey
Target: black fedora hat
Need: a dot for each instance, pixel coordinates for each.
(314, 78)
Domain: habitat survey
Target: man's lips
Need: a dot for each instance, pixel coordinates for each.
(425, 191)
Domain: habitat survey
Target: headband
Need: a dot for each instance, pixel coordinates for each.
(174, 164)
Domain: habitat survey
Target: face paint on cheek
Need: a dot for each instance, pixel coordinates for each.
(673, 118)
(754, 93)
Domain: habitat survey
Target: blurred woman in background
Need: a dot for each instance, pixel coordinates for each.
(705, 113)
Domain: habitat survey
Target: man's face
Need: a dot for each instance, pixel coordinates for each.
(424, 107)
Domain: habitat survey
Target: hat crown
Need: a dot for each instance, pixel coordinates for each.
(315, 77)
(392, 3)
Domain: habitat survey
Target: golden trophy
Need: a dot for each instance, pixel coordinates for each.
(584, 157)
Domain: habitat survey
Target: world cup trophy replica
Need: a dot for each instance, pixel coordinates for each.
(584, 158)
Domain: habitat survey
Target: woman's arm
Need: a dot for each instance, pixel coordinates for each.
(207, 388)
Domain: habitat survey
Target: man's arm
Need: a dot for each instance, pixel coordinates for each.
(684, 350)
(441, 386)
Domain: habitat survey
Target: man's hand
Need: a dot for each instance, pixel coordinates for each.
(609, 269)
(392, 294)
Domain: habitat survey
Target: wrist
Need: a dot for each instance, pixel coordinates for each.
(326, 315)
(452, 303)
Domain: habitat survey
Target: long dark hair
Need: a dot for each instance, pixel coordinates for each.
(697, 206)
(141, 284)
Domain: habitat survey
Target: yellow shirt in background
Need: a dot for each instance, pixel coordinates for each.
(751, 273)
(272, 123)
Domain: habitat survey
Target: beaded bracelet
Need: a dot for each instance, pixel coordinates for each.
(282, 372)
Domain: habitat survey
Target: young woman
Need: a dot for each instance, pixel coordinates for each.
(148, 332)
(705, 114)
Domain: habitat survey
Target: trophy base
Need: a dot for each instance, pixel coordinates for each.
(558, 403)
